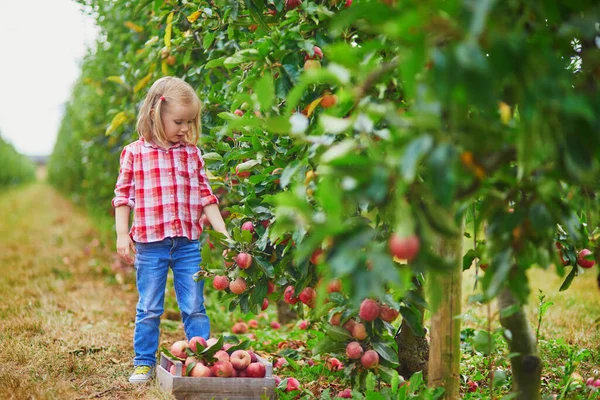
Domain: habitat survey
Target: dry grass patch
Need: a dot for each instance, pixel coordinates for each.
(64, 332)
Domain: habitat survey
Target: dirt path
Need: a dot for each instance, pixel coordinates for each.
(65, 332)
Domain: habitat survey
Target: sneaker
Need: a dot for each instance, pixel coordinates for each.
(141, 374)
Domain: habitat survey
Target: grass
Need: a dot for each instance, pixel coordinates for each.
(64, 333)
(68, 306)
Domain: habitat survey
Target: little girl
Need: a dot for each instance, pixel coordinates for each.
(162, 179)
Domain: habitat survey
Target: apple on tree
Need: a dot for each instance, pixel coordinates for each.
(369, 310)
(238, 286)
(405, 248)
(244, 260)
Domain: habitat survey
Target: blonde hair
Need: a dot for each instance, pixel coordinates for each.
(165, 91)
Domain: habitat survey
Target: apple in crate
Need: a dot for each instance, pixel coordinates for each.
(256, 370)
(240, 359)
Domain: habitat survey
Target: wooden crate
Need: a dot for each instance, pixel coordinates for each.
(190, 388)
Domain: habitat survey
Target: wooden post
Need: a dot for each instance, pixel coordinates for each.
(444, 346)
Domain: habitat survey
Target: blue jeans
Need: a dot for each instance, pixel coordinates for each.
(152, 262)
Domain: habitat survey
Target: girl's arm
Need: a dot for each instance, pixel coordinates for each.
(216, 220)
(124, 242)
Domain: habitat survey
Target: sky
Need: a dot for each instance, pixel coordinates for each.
(42, 44)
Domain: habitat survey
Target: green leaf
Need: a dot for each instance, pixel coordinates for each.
(212, 156)
(413, 318)
(338, 333)
(217, 62)
(265, 90)
(568, 280)
(413, 154)
(208, 40)
(266, 267)
(483, 342)
(327, 345)
(386, 351)
(468, 259)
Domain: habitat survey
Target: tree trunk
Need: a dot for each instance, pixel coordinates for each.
(444, 347)
(527, 366)
(413, 350)
(284, 313)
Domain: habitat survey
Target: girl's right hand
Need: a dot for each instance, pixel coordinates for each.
(126, 248)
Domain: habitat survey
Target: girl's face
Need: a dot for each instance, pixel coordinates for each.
(177, 121)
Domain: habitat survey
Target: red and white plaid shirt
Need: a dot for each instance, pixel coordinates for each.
(166, 189)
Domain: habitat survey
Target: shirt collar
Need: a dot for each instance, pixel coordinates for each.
(155, 146)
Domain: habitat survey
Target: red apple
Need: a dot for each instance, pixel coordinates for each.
(369, 310)
(253, 324)
(239, 328)
(211, 342)
(308, 296)
(348, 3)
(280, 362)
(221, 282)
(334, 364)
(253, 357)
(240, 359)
(311, 64)
(370, 359)
(227, 346)
(472, 386)
(359, 332)
(336, 319)
(241, 174)
(238, 286)
(292, 384)
(189, 361)
(388, 314)
(582, 261)
(354, 350)
(275, 325)
(291, 4)
(288, 295)
(201, 371)
(244, 260)
(317, 257)
(303, 324)
(178, 349)
(270, 287)
(318, 54)
(194, 343)
(405, 248)
(328, 100)
(349, 325)
(223, 369)
(242, 374)
(239, 112)
(334, 286)
(265, 304)
(256, 370)
(248, 226)
(221, 355)
(345, 394)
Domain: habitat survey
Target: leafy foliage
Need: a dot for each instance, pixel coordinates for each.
(416, 112)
